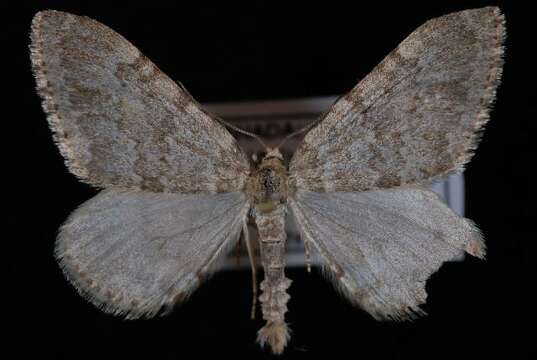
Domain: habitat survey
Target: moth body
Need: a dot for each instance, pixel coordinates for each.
(267, 188)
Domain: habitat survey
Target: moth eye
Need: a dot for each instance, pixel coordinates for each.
(260, 156)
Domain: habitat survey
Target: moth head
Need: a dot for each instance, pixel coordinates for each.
(273, 153)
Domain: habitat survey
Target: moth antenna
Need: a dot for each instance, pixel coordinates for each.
(252, 264)
(294, 133)
(312, 124)
(219, 119)
(300, 131)
(247, 133)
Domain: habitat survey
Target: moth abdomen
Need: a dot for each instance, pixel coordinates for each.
(274, 297)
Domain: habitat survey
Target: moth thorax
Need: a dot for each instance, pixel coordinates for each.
(268, 184)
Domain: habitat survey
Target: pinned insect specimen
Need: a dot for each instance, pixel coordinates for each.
(178, 189)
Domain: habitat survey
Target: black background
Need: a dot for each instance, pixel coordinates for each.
(262, 50)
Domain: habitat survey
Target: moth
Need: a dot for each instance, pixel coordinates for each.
(178, 190)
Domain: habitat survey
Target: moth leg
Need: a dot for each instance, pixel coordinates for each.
(238, 252)
(252, 264)
(308, 254)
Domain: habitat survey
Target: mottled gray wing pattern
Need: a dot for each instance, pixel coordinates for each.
(414, 118)
(381, 246)
(135, 253)
(119, 121)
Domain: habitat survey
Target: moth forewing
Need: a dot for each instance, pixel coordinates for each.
(415, 118)
(119, 121)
